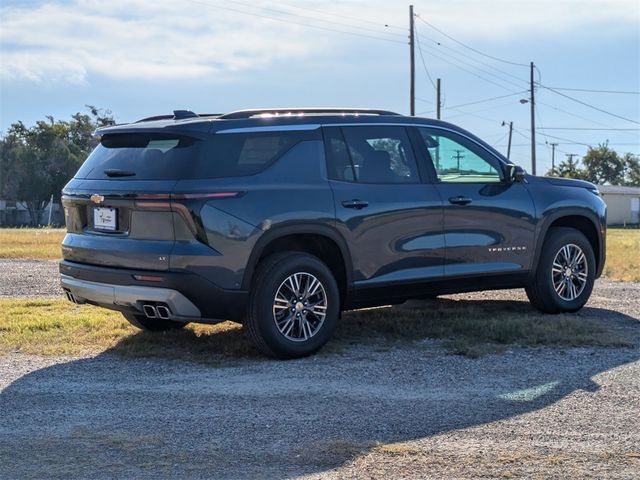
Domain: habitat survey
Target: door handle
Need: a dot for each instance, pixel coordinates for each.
(460, 200)
(355, 203)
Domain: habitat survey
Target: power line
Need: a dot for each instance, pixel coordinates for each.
(489, 99)
(343, 16)
(572, 142)
(469, 71)
(622, 92)
(424, 64)
(283, 12)
(590, 128)
(476, 67)
(589, 105)
(470, 48)
(318, 27)
(438, 44)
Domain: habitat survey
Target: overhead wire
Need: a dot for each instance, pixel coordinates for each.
(424, 64)
(601, 110)
(283, 20)
(338, 15)
(623, 92)
(284, 12)
(468, 47)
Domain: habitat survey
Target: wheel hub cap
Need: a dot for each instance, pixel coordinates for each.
(300, 307)
(569, 272)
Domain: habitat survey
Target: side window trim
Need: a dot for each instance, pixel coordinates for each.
(425, 167)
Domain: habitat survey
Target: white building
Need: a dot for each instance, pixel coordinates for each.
(623, 204)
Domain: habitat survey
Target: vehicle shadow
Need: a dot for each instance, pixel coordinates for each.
(113, 416)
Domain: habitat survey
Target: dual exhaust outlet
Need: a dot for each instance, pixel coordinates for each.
(156, 311)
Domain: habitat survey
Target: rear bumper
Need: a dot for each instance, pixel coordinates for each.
(129, 297)
(189, 297)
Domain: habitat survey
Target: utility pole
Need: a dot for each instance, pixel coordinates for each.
(510, 136)
(553, 157)
(458, 156)
(533, 124)
(412, 60)
(438, 102)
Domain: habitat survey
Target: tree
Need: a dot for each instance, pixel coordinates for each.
(569, 168)
(631, 170)
(37, 162)
(603, 165)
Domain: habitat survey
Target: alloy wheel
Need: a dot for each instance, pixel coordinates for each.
(300, 307)
(569, 272)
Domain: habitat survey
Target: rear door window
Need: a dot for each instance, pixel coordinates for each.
(371, 154)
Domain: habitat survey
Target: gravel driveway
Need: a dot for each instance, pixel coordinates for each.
(412, 411)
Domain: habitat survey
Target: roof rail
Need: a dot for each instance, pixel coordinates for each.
(301, 111)
(155, 117)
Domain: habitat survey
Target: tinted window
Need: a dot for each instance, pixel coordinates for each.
(377, 154)
(457, 161)
(152, 156)
(338, 158)
(241, 154)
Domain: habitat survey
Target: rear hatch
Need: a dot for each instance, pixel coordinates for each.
(118, 206)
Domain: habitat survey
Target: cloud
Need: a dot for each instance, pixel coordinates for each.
(72, 41)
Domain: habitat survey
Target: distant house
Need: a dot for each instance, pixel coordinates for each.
(15, 214)
(623, 204)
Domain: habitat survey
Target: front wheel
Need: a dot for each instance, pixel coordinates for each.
(294, 305)
(566, 272)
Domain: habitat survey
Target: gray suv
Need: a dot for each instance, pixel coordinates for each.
(280, 219)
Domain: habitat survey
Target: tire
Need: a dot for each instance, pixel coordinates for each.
(280, 328)
(152, 324)
(551, 272)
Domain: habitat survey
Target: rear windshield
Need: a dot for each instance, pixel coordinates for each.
(155, 156)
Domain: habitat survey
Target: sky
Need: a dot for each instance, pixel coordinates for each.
(145, 57)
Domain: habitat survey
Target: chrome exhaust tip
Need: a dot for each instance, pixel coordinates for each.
(163, 312)
(150, 311)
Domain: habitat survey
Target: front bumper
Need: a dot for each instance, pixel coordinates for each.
(189, 297)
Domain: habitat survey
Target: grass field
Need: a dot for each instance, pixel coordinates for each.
(31, 243)
(470, 328)
(623, 255)
(623, 249)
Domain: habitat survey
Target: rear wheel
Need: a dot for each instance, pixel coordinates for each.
(152, 324)
(565, 274)
(294, 305)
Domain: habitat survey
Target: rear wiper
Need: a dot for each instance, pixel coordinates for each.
(115, 172)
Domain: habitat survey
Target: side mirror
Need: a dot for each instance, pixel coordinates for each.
(515, 173)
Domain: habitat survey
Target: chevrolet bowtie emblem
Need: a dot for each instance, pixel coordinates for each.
(95, 198)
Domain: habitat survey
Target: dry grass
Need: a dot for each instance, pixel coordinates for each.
(623, 255)
(470, 328)
(58, 327)
(475, 328)
(31, 243)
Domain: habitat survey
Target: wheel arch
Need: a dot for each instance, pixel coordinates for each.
(582, 220)
(319, 240)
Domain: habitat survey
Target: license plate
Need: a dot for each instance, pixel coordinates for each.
(105, 218)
